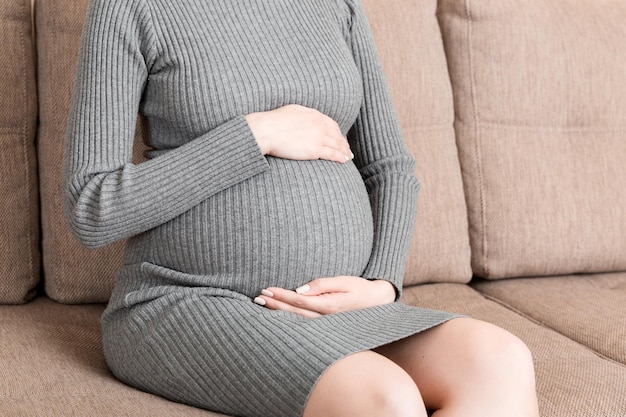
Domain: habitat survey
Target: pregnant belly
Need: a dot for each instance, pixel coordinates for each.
(298, 221)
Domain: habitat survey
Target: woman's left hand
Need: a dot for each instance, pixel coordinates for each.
(329, 295)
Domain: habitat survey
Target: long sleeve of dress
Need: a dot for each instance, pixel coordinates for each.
(107, 197)
(384, 162)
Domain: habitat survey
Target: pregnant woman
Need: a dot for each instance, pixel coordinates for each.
(270, 227)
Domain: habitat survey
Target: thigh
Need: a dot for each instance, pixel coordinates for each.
(365, 384)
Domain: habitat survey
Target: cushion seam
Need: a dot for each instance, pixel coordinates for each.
(545, 128)
(477, 153)
(25, 135)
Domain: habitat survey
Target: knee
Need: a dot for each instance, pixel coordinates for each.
(365, 384)
(396, 397)
(500, 353)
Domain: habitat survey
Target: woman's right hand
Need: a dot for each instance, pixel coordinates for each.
(298, 132)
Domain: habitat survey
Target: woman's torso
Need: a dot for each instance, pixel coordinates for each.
(298, 220)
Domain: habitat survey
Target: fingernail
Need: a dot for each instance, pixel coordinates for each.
(347, 158)
(303, 289)
(268, 293)
(352, 155)
(259, 301)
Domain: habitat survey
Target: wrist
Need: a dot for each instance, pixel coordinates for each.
(386, 289)
(255, 122)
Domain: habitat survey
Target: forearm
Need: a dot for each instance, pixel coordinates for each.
(108, 202)
(393, 201)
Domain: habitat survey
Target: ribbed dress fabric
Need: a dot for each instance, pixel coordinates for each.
(210, 220)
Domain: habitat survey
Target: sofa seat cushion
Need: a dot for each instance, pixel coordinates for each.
(52, 365)
(572, 381)
(540, 97)
(19, 211)
(590, 309)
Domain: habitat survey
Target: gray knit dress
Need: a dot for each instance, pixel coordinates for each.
(212, 221)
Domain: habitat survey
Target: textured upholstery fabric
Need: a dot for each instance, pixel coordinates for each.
(52, 354)
(540, 98)
(19, 219)
(73, 274)
(572, 380)
(410, 45)
(578, 307)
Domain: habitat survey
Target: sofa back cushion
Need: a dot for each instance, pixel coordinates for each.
(409, 42)
(73, 274)
(19, 211)
(540, 101)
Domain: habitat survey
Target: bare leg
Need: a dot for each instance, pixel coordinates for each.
(365, 384)
(469, 368)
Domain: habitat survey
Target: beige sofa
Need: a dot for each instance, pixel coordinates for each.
(516, 114)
